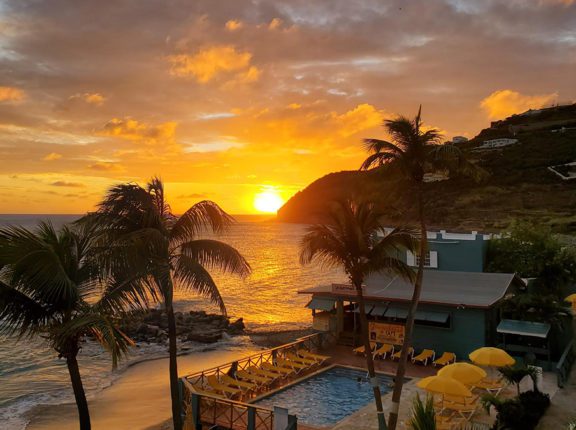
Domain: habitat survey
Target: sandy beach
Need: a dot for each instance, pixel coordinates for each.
(140, 399)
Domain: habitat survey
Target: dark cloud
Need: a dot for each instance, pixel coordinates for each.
(68, 184)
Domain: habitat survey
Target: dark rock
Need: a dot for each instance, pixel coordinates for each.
(236, 327)
(205, 337)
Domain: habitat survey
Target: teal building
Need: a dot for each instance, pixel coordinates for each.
(458, 311)
(460, 252)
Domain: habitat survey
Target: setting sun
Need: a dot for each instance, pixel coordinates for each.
(268, 201)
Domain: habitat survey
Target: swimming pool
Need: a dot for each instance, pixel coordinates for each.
(327, 397)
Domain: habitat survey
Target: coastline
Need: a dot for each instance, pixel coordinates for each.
(139, 398)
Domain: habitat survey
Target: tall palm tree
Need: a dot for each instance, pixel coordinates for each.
(51, 288)
(139, 232)
(411, 153)
(351, 240)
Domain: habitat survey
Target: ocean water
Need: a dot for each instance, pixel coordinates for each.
(31, 374)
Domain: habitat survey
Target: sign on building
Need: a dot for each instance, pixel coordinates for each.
(386, 333)
(344, 288)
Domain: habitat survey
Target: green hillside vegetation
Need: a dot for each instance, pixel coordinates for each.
(519, 186)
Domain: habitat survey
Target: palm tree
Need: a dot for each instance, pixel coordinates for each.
(51, 288)
(351, 240)
(411, 153)
(138, 232)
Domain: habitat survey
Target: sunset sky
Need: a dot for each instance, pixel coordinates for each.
(230, 99)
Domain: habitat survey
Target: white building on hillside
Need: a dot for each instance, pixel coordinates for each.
(459, 139)
(497, 143)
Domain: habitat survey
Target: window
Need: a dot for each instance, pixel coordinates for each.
(426, 260)
(430, 259)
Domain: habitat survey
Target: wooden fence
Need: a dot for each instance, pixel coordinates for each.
(203, 409)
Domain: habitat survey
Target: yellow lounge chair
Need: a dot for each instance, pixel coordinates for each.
(447, 400)
(317, 357)
(202, 392)
(244, 375)
(307, 361)
(243, 385)
(465, 411)
(424, 357)
(396, 355)
(361, 350)
(262, 372)
(490, 385)
(451, 422)
(285, 371)
(445, 358)
(298, 367)
(217, 386)
(384, 350)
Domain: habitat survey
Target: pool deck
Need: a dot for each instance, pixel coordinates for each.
(365, 418)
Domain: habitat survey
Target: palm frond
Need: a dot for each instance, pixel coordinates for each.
(126, 292)
(100, 326)
(192, 275)
(21, 315)
(321, 244)
(203, 215)
(216, 254)
(42, 264)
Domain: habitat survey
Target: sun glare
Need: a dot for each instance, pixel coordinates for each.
(268, 201)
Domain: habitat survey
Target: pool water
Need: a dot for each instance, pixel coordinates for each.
(328, 397)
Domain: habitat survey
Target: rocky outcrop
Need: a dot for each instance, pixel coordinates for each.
(151, 326)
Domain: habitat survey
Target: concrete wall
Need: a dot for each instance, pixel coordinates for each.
(460, 255)
(467, 332)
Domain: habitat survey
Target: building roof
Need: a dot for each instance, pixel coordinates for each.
(470, 289)
(524, 328)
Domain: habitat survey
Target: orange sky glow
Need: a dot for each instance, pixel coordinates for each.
(246, 102)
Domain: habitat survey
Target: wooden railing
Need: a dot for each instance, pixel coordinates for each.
(204, 409)
(312, 342)
(565, 364)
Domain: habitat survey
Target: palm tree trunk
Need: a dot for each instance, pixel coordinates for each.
(369, 359)
(174, 389)
(409, 329)
(79, 395)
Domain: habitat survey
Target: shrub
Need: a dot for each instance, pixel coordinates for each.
(535, 404)
(521, 413)
(423, 415)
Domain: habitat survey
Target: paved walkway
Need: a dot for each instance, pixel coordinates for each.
(562, 410)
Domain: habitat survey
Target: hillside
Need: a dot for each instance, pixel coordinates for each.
(519, 185)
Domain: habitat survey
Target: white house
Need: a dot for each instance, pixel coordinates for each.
(459, 139)
(497, 143)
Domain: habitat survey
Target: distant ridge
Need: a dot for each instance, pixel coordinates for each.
(520, 184)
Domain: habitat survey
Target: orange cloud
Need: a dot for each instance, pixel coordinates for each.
(106, 166)
(503, 103)
(211, 62)
(95, 99)
(11, 94)
(52, 156)
(234, 25)
(131, 129)
(275, 23)
(360, 118)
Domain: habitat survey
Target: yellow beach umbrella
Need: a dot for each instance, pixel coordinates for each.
(444, 385)
(489, 356)
(464, 372)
